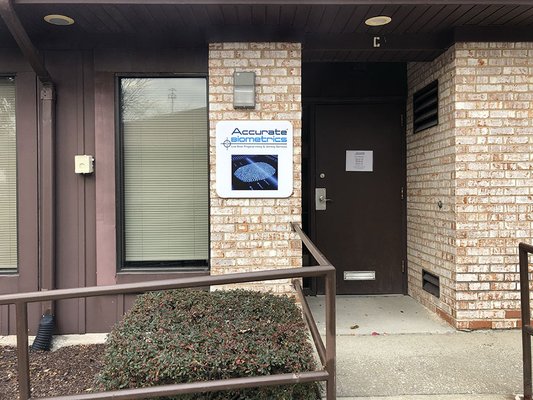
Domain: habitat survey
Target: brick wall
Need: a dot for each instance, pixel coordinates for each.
(491, 193)
(254, 234)
(430, 178)
(494, 137)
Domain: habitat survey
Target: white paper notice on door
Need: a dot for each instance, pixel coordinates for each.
(360, 160)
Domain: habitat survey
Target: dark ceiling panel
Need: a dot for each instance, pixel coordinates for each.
(119, 19)
(314, 18)
(188, 16)
(273, 15)
(482, 16)
(287, 15)
(467, 16)
(140, 15)
(328, 18)
(301, 16)
(244, 15)
(501, 15)
(259, 15)
(413, 17)
(524, 19)
(359, 25)
(201, 14)
(448, 18)
(399, 18)
(103, 18)
(341, 19)
(504, 19)
(436, 20)
(215, 14)
(426, 19)
(163, 16)
(338, 28)
(230, 14)
(357, 15)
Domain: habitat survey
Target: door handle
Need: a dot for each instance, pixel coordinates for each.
(321, 199)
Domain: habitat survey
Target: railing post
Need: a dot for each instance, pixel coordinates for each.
(22, 350)
(526, 320)
(331, 385)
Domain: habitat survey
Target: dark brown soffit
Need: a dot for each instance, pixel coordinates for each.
(286, 2)
(12, 21)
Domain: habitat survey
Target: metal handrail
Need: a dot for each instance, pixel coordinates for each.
(523, 252)
(327, 353)
(21, 300)
(310, 320)
(319, 257)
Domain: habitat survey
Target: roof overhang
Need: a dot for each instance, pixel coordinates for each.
(12, 21)
(329, 30)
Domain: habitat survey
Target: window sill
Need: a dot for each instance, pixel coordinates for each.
(134, 276)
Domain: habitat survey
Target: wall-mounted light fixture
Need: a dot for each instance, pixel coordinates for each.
(244, 90)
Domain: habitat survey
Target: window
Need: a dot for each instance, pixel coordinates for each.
(8, 176)
(164, 181)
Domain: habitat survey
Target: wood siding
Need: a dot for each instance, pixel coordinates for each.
(85, 205)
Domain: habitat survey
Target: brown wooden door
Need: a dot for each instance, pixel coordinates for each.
(362, 228)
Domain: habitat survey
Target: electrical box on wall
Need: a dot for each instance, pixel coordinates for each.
(83, 164)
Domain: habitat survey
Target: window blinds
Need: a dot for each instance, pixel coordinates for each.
(8, 176)
(165, 171)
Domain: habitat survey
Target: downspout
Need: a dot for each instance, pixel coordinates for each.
(47, 192)
(46, 153)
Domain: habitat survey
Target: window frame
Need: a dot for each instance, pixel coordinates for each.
(16, 270)
(144, 266)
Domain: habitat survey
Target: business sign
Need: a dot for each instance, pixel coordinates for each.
(254, 159)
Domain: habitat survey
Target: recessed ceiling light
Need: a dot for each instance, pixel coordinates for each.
(58, 19)
(379, 20)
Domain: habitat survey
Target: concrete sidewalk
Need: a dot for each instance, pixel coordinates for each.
(482, 363)
(392, 348)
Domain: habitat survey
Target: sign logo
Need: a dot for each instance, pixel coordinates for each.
(254, 159)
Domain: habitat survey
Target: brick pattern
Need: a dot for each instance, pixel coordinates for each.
(491, 194)
(255, 234)
(430, 179)
(494, 179)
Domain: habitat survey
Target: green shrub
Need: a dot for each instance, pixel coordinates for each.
(186, 336)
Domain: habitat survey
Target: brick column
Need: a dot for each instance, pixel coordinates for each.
(494, 172)
(255, 234)
(479, 162)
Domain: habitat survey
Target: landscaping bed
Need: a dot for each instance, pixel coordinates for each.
(181, 336)
(69, 370)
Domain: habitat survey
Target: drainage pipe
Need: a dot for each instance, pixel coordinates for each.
(47, 185)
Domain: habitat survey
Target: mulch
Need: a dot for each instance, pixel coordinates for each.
(68, 370)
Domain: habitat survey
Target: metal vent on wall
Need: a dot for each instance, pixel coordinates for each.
(426, 107)
(430, 283)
